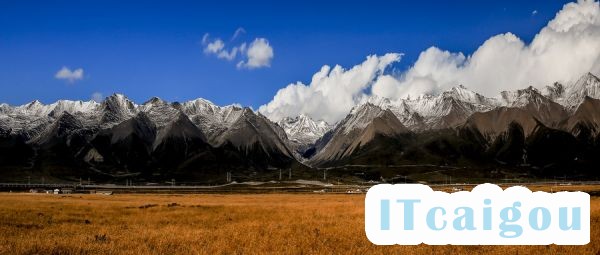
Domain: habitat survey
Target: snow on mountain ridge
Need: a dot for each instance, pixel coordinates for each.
(117, 108)
(304, 129)
(428, 111)
(212, 119)
(587, 85)
(159, 111)
(424, 112)
(555, 92)
(360, 117)
(36, 108)
(522, 97)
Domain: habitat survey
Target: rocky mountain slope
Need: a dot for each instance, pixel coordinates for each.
(545, 130)
(157, 139)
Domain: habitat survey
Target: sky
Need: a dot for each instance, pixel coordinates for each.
(250, 53)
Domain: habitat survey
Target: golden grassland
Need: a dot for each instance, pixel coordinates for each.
(213, 224)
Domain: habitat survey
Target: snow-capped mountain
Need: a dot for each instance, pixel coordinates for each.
(62, 128)
(159, 111)
(530, 107)
(541, 107)
(304, 130)
(212, 119)
(555, 92)
(587, 86)
(254, 131)
(527, 107)
(32, 118)
(120, 134)
(360, 127)
(240, 127)
(448, 109)
(459, 108)
(407, 116)
(117, 108)
(586, 119)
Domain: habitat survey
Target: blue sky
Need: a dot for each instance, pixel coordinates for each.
(147, 48)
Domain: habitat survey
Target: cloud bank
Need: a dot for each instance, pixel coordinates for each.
(565, 49)
(258, 54)
(331, 93)
(69, 75)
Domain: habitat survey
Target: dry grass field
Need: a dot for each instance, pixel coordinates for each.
(213, 224)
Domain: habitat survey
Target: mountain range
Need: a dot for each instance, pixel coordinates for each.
(537, 133)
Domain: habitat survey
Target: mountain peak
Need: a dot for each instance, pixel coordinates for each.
(360, 116)
(463, 94)
(590, 75)
(34, 103)
(117, 96)
(364, 107)
(586, 85)
(587, 79)
(303, 129)
(201, 100)
(117, 108)
(522, 97)
(555, 92)
(155, 101)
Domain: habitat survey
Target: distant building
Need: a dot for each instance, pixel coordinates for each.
(104, 192)
(36, 191)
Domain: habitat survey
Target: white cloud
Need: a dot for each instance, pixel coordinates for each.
(562, 51)
(331, 93)
(534, 12)
(69, 75)
(237, 33)
(259, 54)
(214, 47)
(229, 55)
(97, 96)
(565, 49)
(205, 38)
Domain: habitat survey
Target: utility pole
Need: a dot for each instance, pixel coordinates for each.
(324, 174)
(280, 174)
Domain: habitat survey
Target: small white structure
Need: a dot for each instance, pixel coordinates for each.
(104, 192)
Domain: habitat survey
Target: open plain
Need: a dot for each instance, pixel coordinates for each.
(213, 224)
